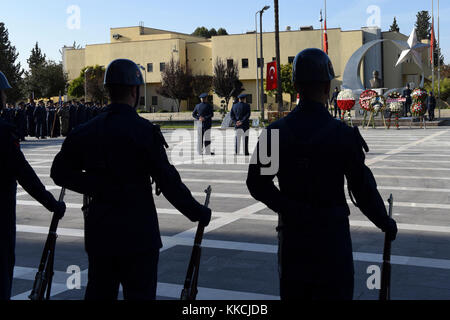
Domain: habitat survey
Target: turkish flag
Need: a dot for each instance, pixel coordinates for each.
(272, 76)
(432, 44)
(325, 38)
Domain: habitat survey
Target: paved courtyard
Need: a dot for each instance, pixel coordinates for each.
(239, 257)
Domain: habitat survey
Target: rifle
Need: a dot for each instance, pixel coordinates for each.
(385, 291)
(43, 281)
(190, 290)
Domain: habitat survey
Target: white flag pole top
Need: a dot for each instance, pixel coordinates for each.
(412, 48)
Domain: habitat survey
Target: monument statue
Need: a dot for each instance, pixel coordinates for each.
(375, 82)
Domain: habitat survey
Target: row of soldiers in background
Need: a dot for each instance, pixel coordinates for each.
(430, 103)
(49, 120)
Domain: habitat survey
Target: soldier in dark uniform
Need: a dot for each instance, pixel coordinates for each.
(335, 103)
(31, 127)
(14, 168)
(112, 160)
(73, 115)
(64, 114)
(51, 119)
(431, 106)
(315, 249)
(21, 121)
(204, 113)
(407, 94)
(240, 115)
(81, 113)
(40, 115)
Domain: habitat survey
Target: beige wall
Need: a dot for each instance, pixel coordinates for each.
(199, 58)
(156, 46)
(74, 62)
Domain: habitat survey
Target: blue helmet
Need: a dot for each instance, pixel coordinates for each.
(4, 84)
(312, 65)
(123, 72)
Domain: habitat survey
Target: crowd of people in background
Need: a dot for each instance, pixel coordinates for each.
(48, 119)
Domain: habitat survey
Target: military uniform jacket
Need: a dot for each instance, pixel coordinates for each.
(112, 159)
(206, 111)
(241, 112)
(311, 199)
(407, 95)
(13, 168)
(431, 103)
(40, 114)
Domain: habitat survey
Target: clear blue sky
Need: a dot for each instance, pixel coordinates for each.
(45, 21)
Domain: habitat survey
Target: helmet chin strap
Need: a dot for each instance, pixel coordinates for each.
(138, 96)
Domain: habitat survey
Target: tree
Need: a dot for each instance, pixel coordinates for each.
(93, 87)
(423, 25)
(46, 80)
(437, 53)
(445, 88)
(205, 33)
(201, 32)
(9, 66)
(286, 82)
(176, 82)
(394, 27)
(226, 81)
(201, 84)
(222, 32)
(36, 59)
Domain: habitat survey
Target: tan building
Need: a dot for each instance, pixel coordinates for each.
(153, 48)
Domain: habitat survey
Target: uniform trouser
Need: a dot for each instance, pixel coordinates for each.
(204, 138)
(137, 273)
(297, 286)
(431, 114)
(336, 110)
(407, 108)
(40, 129)
(242, 134)
(7, 260)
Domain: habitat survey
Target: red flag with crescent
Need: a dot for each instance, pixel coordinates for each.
(272, 76)
(325, 38)
(433, 42)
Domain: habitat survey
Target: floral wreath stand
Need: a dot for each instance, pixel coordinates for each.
(346, 106)
(397, 115)
(421, 117)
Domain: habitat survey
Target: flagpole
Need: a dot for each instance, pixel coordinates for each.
(432, 47)
(439, 65)
(321, 29)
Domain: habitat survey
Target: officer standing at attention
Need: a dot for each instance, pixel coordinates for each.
(315, 249)
(14, 168)
(431, 106)
(40, 115)
(334, 101)
(240, 114)
(407, 94)
(113, 160)
(204, 112)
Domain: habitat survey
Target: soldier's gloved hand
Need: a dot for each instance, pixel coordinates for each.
(60, 209)
(206, 217)
(391, 229)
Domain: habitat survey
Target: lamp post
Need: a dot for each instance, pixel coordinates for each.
(145, 85)
(257, 57)
(262, 60)
(85, 83)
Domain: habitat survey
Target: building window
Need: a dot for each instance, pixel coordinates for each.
(230, 63)
(259, 62)
(142, 101)
(291, 60)
(149, 67)
(154, 100)
(250, 99)
(162, 66)
(265, 98)
(274, 59)
(244, 63)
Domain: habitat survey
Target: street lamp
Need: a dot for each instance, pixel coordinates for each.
(145, 84)
(257, 57)
(262, 60)
(85, 83)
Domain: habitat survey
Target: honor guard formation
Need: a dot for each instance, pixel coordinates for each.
(118, 161)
